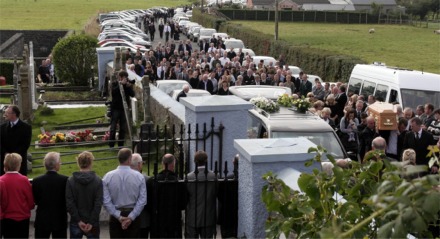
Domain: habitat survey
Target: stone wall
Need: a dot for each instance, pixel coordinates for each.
(164, 109)
(13, 46)
(43, 41)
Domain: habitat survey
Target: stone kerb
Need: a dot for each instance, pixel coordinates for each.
(257, 157)
(230, 111)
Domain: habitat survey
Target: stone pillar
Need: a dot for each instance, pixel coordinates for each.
(230, 111)
(25, 102)
(122, 60)
(105, 55)
(257, 157)
(117, 61)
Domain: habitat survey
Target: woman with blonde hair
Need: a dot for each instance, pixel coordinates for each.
(409, 160)
(17, 199)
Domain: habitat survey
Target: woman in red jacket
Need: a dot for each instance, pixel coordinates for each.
(17, 200)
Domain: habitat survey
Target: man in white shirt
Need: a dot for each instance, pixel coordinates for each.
(125, 196)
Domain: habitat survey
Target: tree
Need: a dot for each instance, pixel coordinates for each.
(372, 200)
(73, 57)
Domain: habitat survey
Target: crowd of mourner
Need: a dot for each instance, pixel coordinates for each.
(123, 191)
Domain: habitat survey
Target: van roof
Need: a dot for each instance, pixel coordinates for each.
(289, 120)
(404, 78)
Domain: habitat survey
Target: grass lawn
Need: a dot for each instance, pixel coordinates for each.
(62, 116)
(68, 154)
(403, 46)
(65, 14)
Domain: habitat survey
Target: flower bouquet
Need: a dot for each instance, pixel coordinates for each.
(285, 100)
(265, 104)
(302, 105)
(45, 139)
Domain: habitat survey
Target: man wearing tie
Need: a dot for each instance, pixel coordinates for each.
(15, 137)
(419, 140)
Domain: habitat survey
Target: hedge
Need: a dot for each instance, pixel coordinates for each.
(329, 65)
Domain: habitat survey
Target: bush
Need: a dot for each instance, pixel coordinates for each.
(73, 57)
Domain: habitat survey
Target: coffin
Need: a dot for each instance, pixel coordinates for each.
(384, 114)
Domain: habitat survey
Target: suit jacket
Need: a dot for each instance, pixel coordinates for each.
(202, 195)
(420, 146)
(15, 140)
(49, 195)
(180, 95)
(167, 197)
(247, 80)
(209, 86)
(305, 88)
(341, 100)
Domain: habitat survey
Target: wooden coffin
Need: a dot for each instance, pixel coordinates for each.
(384, 114)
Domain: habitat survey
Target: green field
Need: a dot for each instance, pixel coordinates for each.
(65, 14)
(402, 46)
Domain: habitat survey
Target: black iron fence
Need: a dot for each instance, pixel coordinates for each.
(345, 17)
(154, 142)
(195, 205)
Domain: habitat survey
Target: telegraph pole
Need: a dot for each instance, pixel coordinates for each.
(276, 20)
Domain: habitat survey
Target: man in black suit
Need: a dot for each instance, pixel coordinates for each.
(249, 79)
(201, 209)
(185, 90)
(305, 86)
(167, 198)
(117, 107)
(206, 84)
(50, 196)
(419, 140)
(15, 137)
(341, 101)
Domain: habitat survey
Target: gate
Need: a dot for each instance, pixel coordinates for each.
(182, 142)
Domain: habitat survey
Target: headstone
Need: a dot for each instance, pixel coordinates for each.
(26, 101)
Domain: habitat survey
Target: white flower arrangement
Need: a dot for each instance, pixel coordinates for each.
(265, 104)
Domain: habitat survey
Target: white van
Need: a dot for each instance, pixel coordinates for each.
(407, 87)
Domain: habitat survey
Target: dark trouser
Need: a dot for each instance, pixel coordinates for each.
(77, 233)
(116, 230)
(14, 229)
(144, 232)
(203, 232)
(161, 31)
(167, 35)
(151, 36)
(117, 116)
(228, 231)
(41, 233)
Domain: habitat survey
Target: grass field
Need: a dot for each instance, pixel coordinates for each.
(403, 46)
(65, 14)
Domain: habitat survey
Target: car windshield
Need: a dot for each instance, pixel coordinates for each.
(327, 140)
(413, 98)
